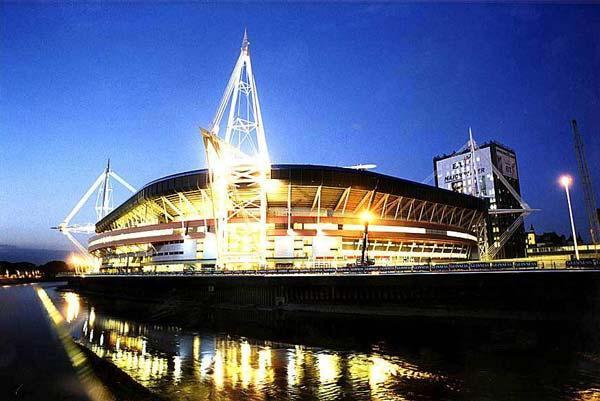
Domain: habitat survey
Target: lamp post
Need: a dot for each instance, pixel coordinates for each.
(366, 217)
(566, 181)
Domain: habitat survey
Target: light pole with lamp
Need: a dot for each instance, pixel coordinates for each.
(366, 217)
(566, 181)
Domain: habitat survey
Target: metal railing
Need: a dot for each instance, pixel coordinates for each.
(504, 266)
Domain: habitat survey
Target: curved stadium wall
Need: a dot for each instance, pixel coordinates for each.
(313, 220)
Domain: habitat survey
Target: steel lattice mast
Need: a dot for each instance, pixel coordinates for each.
(103, 207)
(474, 172)
(586, 182)
(490, 251)
(239, 168)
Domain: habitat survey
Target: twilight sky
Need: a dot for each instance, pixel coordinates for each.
(339, 84)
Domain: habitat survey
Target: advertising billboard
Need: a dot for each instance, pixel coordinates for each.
(456, 173)
(507, 163)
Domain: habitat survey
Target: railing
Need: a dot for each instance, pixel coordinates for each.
(591, 264)
(584, 263)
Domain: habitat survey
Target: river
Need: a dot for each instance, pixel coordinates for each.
(253, 355)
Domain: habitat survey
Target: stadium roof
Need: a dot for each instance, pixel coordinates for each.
(303, 175)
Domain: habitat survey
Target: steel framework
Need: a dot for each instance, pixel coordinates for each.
(103, 206)
(586, 183)
(490, 252)
(323, 207)
(239, 168)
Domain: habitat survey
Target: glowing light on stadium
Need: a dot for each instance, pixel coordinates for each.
(83, 263)
(243, 213)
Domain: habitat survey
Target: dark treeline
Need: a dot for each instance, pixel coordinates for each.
(49, 269)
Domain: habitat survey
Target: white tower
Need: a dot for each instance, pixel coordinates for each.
(237, 161)
(103, 207)
(487, 251)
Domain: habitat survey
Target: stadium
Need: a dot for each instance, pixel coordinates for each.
(242, 212)
(315, 217)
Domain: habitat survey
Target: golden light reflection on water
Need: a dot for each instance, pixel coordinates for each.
(592, 394)
(94, 388)
(121, 343)
(239, 364)
(92, 317)
(176, 368)
(168, 360)
(295, 371)
(329, 367)
(196, 348)
(219, 373)
(71, 306)
(245, 354)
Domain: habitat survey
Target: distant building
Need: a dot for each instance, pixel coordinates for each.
(454, 172)
(550, 245)
(547, 239)
(580, 240)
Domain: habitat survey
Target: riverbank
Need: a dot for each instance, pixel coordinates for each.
(318, 328)
(17, 281)
(553, 295)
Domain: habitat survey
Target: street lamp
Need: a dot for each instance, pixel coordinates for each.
(566, 181)
(366, 218)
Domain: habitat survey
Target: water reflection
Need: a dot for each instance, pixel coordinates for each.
(214, 365)
(171, 361)
(71, 305)
(125, 345)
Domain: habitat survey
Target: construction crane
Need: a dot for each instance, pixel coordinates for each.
(588, 189)
(104, 205)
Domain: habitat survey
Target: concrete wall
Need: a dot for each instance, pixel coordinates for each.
(531, 295)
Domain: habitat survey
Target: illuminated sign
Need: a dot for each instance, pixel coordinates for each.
(456, 173)
(507, 164)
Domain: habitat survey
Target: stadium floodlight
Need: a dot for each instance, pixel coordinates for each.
(566, 182)
(366, 217)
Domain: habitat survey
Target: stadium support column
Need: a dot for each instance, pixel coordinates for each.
(482, 240)
(239, 169)
(103, 207)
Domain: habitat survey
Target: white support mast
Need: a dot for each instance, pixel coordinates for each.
(474, 179)
(104, 196)
(490, 252)
(104, 205)
(239, 160)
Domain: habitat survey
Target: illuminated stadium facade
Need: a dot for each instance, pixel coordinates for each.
(314, 218)
(242, 212)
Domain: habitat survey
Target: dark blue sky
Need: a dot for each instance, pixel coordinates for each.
(340, 84)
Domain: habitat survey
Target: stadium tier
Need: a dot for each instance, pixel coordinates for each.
(317, 216)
